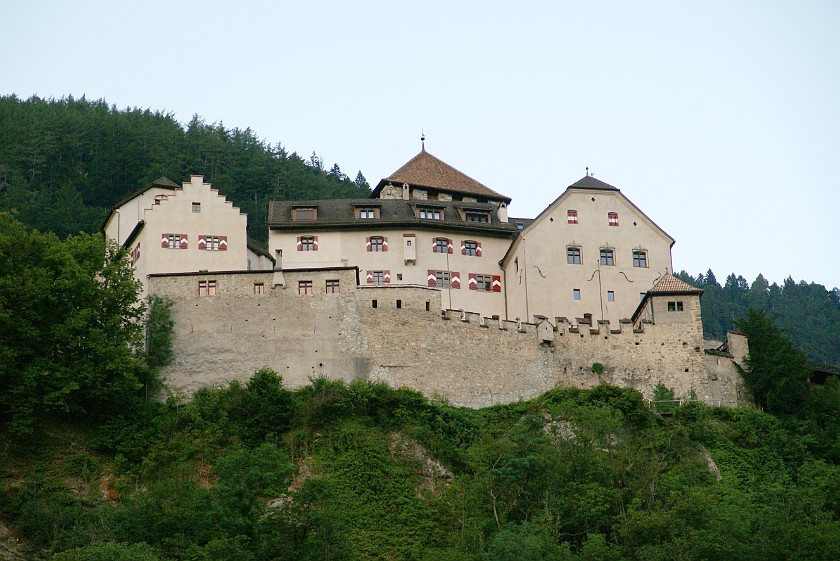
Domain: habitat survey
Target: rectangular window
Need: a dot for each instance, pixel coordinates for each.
(442, 279)
(640, 259)
(304, 287)
(471, 248)
(474, 216)
(304, 213)
(207, 288)
(430, 214)
(307, 243)
(576, 294)
(441, 245)
(612, 218)
(196, 208)
(484, 282)
(332, 287)
(259, 288)
(571, 217)
(367, 213)
(573, 255)
(675, 306)
(174, 241)
(211, 243)
(376, 243)
(378, 277)
(610, 296)
(607, 257)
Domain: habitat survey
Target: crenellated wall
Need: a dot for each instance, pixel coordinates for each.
(398, 335)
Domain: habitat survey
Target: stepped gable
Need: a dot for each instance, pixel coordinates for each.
(161, 182)
(425, 170)
(671, 285)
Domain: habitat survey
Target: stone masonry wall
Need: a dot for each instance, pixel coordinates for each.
(469, 360)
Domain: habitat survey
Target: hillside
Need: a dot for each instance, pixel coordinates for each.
(367, 472)
(64, 162)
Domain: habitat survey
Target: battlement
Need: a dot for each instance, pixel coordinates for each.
(399, 334)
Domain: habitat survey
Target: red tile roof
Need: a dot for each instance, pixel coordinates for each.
(669, 284)
(425, 170)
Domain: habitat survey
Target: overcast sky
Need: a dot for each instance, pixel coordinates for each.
(720, 120)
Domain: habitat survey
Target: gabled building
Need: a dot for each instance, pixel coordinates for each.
(591, 251)
(171, 228)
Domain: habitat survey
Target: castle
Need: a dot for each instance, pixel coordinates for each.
(426, 284)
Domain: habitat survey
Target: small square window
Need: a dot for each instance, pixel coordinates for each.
(304, 287)
(196, 208)
(612, 218)
(332, 287)
(607, 257)
(441, 245)
(610, 296)
(207, 288)
(573, 255)
(307, 243)
(259, 288)
(484, 282)
(640, 259)
(576, 294)
(572, 217)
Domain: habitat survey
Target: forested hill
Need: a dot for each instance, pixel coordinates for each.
(64, 163)
(808, 312)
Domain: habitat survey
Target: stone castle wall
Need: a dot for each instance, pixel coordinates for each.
(398, 335)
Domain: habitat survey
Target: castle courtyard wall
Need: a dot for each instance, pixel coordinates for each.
(462, 357)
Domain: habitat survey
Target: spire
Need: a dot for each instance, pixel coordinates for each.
(422, 141)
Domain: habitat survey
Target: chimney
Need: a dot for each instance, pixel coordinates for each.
(503, 215)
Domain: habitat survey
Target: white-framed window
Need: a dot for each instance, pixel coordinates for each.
(430, 214)
(367, 213)
(640, 258)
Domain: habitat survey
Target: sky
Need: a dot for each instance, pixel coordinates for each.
(719, 119)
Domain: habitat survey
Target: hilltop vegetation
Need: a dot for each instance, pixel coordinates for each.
(64, 163)
(807, 312)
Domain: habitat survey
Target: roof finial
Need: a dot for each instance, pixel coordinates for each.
(587, 171)
(422, 140)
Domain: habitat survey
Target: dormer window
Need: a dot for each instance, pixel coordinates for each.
(477, 216)
(430, 214)
(520, 225)
(367, 213)
(305, 213)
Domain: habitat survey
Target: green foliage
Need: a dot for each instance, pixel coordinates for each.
(776, 371)
(363, 471)
(68, 326)
(807, 312)
(89, 155)
(159, 327)
(597, 368)
(663, 399)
